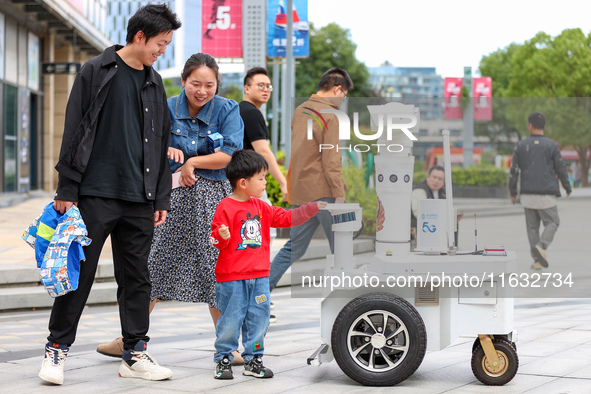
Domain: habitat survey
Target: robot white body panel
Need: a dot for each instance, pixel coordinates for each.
(379, 332)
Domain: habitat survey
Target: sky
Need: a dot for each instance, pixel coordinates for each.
(447, 34)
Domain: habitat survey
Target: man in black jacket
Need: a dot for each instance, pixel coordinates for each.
(113, 166)
(537, 158)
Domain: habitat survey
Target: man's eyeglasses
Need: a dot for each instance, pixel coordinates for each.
(263, 86)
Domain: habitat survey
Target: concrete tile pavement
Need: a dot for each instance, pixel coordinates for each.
(553, 347)
(553, 358)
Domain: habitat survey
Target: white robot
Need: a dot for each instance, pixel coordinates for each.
(398, 304)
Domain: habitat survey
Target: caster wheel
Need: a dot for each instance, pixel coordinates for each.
(477, 343)
(501, 374)
(379, 339)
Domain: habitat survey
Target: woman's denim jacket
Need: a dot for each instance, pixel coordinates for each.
(189, 134)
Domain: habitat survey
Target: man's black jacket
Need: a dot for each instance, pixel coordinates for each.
(538, 160)
(86, 100)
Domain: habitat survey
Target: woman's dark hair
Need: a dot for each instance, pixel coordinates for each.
(245, 163)
(152, 19)
(202, 60)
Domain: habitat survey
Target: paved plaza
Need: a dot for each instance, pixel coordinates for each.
(554, 344)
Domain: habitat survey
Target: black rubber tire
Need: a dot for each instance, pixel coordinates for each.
(364, 317)
(507, 355)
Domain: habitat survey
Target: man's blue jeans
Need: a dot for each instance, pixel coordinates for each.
(298, 243)
(243, 304)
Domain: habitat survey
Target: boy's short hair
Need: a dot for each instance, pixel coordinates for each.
(245, 163)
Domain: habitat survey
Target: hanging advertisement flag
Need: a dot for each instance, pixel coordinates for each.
(221, 22)
(277, 24)
(452, 93)
(482, 93)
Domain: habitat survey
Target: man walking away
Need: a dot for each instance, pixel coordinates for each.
(537, 158)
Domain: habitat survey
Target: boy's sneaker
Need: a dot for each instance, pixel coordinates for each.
(137, 363)
(272, 319)
(52, 367)
(256, 368)
(224, 369)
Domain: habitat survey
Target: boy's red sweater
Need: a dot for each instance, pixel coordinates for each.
(246, 254)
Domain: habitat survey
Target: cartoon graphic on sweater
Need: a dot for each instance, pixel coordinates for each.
(250, 232)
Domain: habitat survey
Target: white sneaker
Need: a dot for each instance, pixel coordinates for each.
(140, 364)
(52, 367)
(541, 256)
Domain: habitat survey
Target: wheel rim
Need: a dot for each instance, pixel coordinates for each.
(378, 341)
(492, 371)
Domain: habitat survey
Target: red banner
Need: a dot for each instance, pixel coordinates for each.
(452, 93)
(221, 22)
(482, 93)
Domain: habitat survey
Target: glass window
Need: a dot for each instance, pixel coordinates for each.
(10, 140)
(10, 165)
(10, 110)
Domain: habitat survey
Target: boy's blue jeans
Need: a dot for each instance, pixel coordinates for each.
(244, 304)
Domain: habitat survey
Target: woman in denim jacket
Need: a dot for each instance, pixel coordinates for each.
(182, 260)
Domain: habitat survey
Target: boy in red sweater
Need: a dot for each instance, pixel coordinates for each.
(240, 230)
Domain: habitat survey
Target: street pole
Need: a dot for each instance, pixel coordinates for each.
(275, 101)
(289, 79)
(468, 144)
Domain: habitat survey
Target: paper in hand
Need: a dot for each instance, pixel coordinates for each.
(175, 179)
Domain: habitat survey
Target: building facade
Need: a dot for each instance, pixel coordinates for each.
(410, 83)
(42, 44)
(423, 87)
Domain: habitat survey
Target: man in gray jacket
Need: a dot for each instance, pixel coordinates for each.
(538, 160)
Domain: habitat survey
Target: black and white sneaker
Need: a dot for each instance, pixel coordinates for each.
(256, 368)
(224, 369)
(52, 367)
(138, 363)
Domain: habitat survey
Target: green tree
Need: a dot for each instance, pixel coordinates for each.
(498, 65)
(550, 75)
(170, 88)
(330, 46)
(232, 92)
(501, 129)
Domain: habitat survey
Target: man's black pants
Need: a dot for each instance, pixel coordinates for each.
(131, 226)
